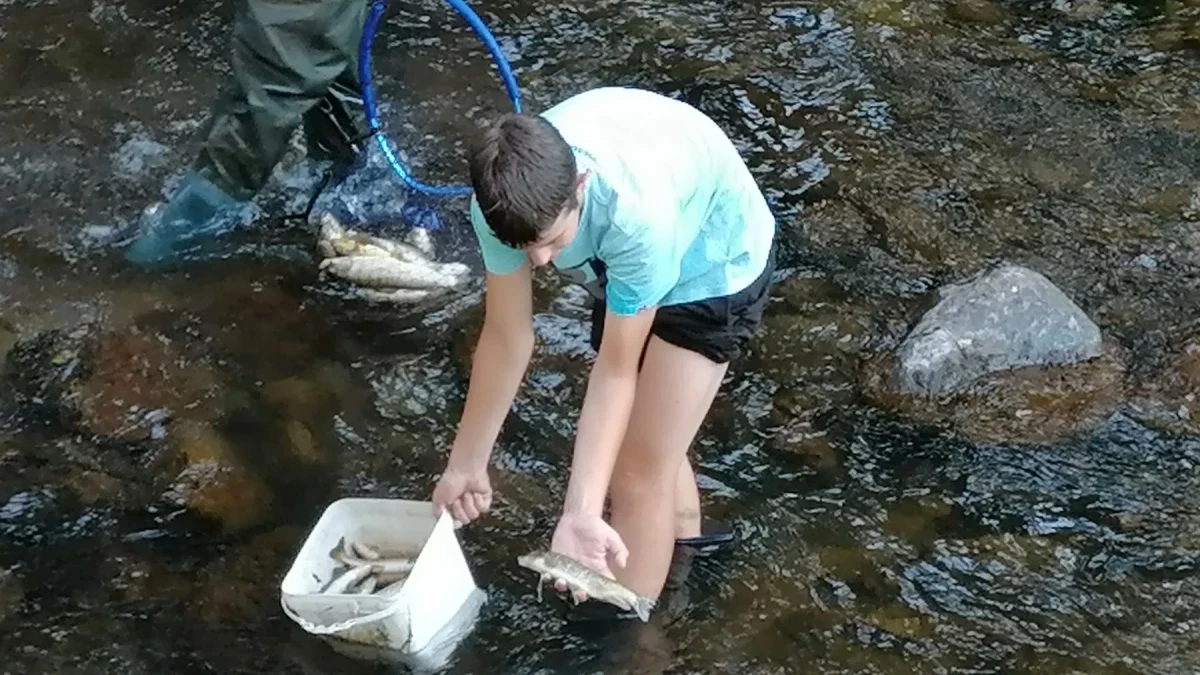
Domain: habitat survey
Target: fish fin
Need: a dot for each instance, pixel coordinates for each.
(337, 548)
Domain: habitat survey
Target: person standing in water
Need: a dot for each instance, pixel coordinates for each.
(644, 201)
(295, 62)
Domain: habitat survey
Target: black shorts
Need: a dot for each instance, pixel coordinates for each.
(716, 328)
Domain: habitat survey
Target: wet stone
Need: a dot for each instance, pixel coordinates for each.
(122, 384)
(1001, 319)
(139, 155)
(214, 481)
(1031, 404)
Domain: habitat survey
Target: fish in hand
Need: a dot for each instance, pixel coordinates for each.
(551, 565)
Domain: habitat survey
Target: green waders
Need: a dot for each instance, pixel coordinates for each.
(294, 63)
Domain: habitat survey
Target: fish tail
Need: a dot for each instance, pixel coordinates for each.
(642, 607)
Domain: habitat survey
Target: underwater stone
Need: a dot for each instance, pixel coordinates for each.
(999, 319)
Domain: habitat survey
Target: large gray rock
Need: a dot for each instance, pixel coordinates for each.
(999, 319)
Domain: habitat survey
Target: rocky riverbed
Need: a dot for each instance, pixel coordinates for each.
(967, 440)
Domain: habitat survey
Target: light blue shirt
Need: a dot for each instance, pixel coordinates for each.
(669, 207)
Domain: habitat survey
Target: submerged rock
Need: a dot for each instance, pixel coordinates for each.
(1005, 318)
(118, 384)
(138, 156)
(215, 482)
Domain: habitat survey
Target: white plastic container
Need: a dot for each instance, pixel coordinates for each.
(438, 586)
(432, 658)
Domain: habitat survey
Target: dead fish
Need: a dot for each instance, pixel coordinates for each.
(396, 295)
(378, 566)
(368, 585)
(330, 228)
(420, 239)
(343, 583)
(390, 272)
(392, 565)
(578, 576)
(386, 578)
(363, 551)
(350, 246)
(399, 250)
(367, 570)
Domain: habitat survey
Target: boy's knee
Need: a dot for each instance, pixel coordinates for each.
(643, 480)
(633, 485)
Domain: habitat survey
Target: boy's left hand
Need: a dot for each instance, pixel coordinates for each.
(589, 540)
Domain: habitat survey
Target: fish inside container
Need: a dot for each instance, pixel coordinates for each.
(431, 576)
(345, 555)
(363, 568)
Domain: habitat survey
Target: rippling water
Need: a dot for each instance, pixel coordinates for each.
(901, 144)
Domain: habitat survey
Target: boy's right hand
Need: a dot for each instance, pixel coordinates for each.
(466, 493)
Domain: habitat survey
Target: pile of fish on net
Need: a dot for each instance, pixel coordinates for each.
(384, 270)
(365, 570)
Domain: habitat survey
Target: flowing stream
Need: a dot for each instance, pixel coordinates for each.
(149, 511)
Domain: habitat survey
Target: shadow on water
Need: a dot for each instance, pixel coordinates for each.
(167, 438)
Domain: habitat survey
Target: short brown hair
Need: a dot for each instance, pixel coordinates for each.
(523, 173)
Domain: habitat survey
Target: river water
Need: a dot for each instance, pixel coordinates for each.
(1046, 527)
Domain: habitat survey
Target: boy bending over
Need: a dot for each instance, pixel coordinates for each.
(644, 201)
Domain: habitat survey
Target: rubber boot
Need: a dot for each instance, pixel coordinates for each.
(196, 211)
(714, 536)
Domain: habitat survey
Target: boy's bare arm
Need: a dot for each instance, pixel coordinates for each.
(606, 410)
(499, 363)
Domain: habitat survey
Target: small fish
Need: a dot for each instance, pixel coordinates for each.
(330, 228)
(419, 238)
(368, 570)
(363, 551)
(399, 250)
(391, 565)
(552, 565)
(396, 295)
(368, 585)
(376, 566)
(341, 584)
(350, 246)
(386, 578)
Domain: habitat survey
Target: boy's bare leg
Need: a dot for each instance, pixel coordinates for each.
(674, 392)
(687, 503)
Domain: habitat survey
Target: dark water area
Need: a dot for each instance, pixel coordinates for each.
(192, 423)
